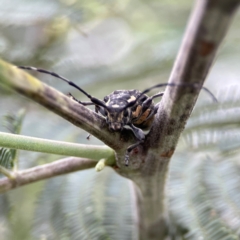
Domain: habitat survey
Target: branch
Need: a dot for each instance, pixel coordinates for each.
(206, 30)
(93, 152)
(63, 166)
(207, 27)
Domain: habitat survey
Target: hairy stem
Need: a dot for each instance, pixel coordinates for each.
(93, 152)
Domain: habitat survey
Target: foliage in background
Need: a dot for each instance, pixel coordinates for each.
(116, 44)
(207, 188)
(13, 123)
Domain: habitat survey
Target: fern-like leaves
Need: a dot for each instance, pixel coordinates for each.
(204, 199)
(8, 157)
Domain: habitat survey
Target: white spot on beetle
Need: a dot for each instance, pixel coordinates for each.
(115, 106)
(132, 98)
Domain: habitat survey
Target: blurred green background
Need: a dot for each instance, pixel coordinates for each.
(103, 46)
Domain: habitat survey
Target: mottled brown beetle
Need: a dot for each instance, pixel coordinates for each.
(125, 107)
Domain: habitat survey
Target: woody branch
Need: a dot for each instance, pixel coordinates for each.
(206, 29)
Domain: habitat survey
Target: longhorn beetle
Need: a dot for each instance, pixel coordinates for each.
(125, 107)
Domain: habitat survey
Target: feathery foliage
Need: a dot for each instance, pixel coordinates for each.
(13, 123)
(204, 195)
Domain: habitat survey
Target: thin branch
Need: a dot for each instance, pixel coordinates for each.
(93, 152)
(63, 166)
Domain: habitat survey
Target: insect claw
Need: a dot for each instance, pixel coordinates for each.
(70, 95)
(88, 136)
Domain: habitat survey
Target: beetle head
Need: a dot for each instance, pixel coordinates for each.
(117, 118)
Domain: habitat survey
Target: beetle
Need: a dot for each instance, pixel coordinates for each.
(124, 107)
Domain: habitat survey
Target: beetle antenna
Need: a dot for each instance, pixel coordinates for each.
(93, 99)
(196, 85)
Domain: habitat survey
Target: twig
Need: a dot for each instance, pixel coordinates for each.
(63, 166)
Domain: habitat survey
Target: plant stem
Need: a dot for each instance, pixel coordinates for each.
(63, 166)
(96, 153)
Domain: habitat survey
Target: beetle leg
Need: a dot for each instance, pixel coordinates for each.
(83, 103)
(151, 114)
(101, 110)
(146, 104)
(156, 108)
(158, 95)
(129, 149)
(88, 136)
(139, 134)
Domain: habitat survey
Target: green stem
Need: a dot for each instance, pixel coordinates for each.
(93, 152)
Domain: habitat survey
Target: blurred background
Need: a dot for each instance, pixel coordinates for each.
(103, 46)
